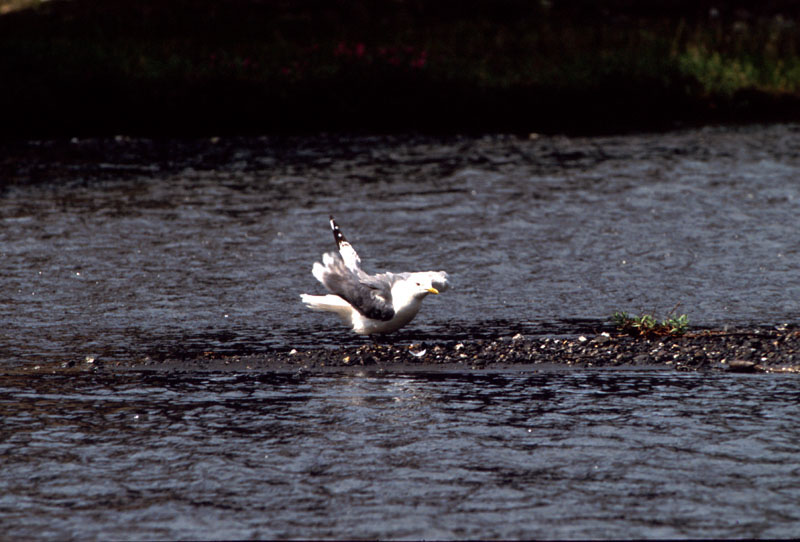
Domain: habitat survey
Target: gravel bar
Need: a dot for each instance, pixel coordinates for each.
(772, 350)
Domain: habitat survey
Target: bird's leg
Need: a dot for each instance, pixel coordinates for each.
(379, 339)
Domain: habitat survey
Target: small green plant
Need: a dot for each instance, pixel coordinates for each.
(647, 325)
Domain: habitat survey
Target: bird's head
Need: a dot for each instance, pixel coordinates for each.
(428, 282)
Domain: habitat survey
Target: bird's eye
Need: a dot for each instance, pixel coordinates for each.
(418, 284)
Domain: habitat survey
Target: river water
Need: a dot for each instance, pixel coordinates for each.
(127, 249)
(586, 454)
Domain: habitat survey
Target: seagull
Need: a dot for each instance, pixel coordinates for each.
(379, 303)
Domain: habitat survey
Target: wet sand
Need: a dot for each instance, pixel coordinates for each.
(753, 350)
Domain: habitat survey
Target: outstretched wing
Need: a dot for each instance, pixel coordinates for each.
(370, 296)
(349, 254)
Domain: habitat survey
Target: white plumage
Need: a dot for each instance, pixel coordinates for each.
(369, 303)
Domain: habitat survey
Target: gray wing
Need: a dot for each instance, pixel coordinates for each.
(371, 296)
(346, 250)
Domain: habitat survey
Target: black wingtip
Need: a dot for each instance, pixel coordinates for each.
(338, 236)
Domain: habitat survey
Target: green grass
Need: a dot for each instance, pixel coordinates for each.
(648, 325)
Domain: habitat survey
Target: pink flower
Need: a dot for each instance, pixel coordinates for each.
(342, 49)
(360, 49)
(420, 61)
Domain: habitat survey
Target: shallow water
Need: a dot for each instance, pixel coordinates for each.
(129, 248)
(492, 455)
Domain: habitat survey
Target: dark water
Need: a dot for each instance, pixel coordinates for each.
(506, 455)
(125, 249)
(132, 247)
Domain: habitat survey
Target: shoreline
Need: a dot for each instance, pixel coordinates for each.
(741, 350)
(82, 69)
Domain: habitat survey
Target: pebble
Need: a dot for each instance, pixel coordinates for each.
(734, 350)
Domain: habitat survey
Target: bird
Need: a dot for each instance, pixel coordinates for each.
(370, 304)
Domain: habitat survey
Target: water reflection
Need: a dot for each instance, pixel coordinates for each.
(503, 455)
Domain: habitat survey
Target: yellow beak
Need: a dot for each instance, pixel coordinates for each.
(433, 290)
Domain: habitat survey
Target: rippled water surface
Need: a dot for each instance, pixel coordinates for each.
(127, 249)
(133, 248)
(436, 455)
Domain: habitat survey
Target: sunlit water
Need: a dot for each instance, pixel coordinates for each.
(131, 248)
(506, 455)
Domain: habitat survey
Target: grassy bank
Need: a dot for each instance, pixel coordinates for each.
(247, 66)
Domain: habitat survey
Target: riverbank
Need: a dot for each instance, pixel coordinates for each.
(80, 68)
(754, 350)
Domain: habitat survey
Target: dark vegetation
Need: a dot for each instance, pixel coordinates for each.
(84, 67)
